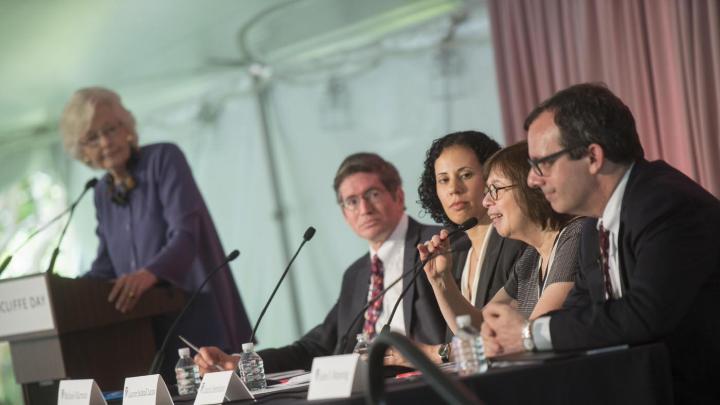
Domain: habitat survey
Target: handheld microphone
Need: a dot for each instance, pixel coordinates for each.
(309, 233)
(470, 223)
(343, 340)
(159, 356)
(90, 184)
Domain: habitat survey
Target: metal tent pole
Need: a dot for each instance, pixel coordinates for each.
(260, 86)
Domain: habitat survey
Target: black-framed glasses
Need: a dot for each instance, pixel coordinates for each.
(352, 203)
(109, 131)
(547, 161)
(493, 190)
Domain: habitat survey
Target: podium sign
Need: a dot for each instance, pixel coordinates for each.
(25, 307)
(61, 328)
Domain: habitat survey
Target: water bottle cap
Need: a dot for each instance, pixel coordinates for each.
(248, 347)
(184, 352)
(463, 321)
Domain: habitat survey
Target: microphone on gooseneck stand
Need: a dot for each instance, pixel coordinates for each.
(342, 341)
(309, 233)
(470, 223)
(90, 184)
(159, 356)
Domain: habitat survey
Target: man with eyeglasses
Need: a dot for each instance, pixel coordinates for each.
(370, 195)
(650, 263)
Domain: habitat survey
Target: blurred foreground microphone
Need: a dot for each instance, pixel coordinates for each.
(470, 223)
(309, 233)
(90, 184)
(342, 340)
(159, 356)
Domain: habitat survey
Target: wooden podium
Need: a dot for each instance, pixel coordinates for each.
(61, 328)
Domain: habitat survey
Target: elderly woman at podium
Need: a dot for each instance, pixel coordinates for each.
(153, 224)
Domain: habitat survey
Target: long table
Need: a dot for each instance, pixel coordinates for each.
(637, 375)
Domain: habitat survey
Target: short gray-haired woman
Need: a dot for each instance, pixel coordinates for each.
(153, 225)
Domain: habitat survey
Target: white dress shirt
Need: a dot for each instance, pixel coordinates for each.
(392, 255)
(610, 220)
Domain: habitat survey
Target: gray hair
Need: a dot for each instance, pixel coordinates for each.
(79, 112)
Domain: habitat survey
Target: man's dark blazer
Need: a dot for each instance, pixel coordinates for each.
(500, 256)
(423, 319)
(669, 258)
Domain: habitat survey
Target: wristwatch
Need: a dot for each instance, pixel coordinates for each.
(527, 337)
(444, 352)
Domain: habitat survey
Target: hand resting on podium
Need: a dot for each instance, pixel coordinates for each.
(129, 288)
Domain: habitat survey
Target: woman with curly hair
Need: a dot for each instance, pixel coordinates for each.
(451, 190)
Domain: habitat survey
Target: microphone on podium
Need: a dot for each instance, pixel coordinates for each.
(309, 233)
(470, 223)
(342, 341)
(159, 356)
(88, 185)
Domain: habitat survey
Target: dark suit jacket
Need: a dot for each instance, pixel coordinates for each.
(423, 320)
(670, 269)
(500, 256)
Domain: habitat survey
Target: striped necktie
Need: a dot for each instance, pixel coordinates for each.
(376, 286)
(604, 236)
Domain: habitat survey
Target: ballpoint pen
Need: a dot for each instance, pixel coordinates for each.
(192, 346)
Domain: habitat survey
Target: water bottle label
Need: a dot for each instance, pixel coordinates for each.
(220, 386)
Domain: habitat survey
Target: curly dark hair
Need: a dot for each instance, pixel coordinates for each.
(478, 142)
(590, 113)
(512, 162)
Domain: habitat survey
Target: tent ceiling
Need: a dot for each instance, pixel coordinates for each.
(51, 48)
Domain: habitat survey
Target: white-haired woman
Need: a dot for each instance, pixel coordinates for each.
(153, 225)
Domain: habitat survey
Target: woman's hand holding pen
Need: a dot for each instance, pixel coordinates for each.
(129, 288)
(209, 358)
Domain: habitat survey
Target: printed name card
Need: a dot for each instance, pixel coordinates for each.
(219, 386)
(80, 392)
(337, 376)
(146, 390)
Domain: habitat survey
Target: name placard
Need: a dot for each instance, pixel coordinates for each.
(146, 390)
(80, 392)
(219, 386)
(25, 306)
(337, 376)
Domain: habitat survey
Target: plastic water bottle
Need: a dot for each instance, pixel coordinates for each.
(467, 348)
(187, 373)
(362, 346)
(252, 371)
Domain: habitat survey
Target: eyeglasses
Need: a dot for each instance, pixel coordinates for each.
(371, 196)
(93, 137)
(493, 190)
(547, 161)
